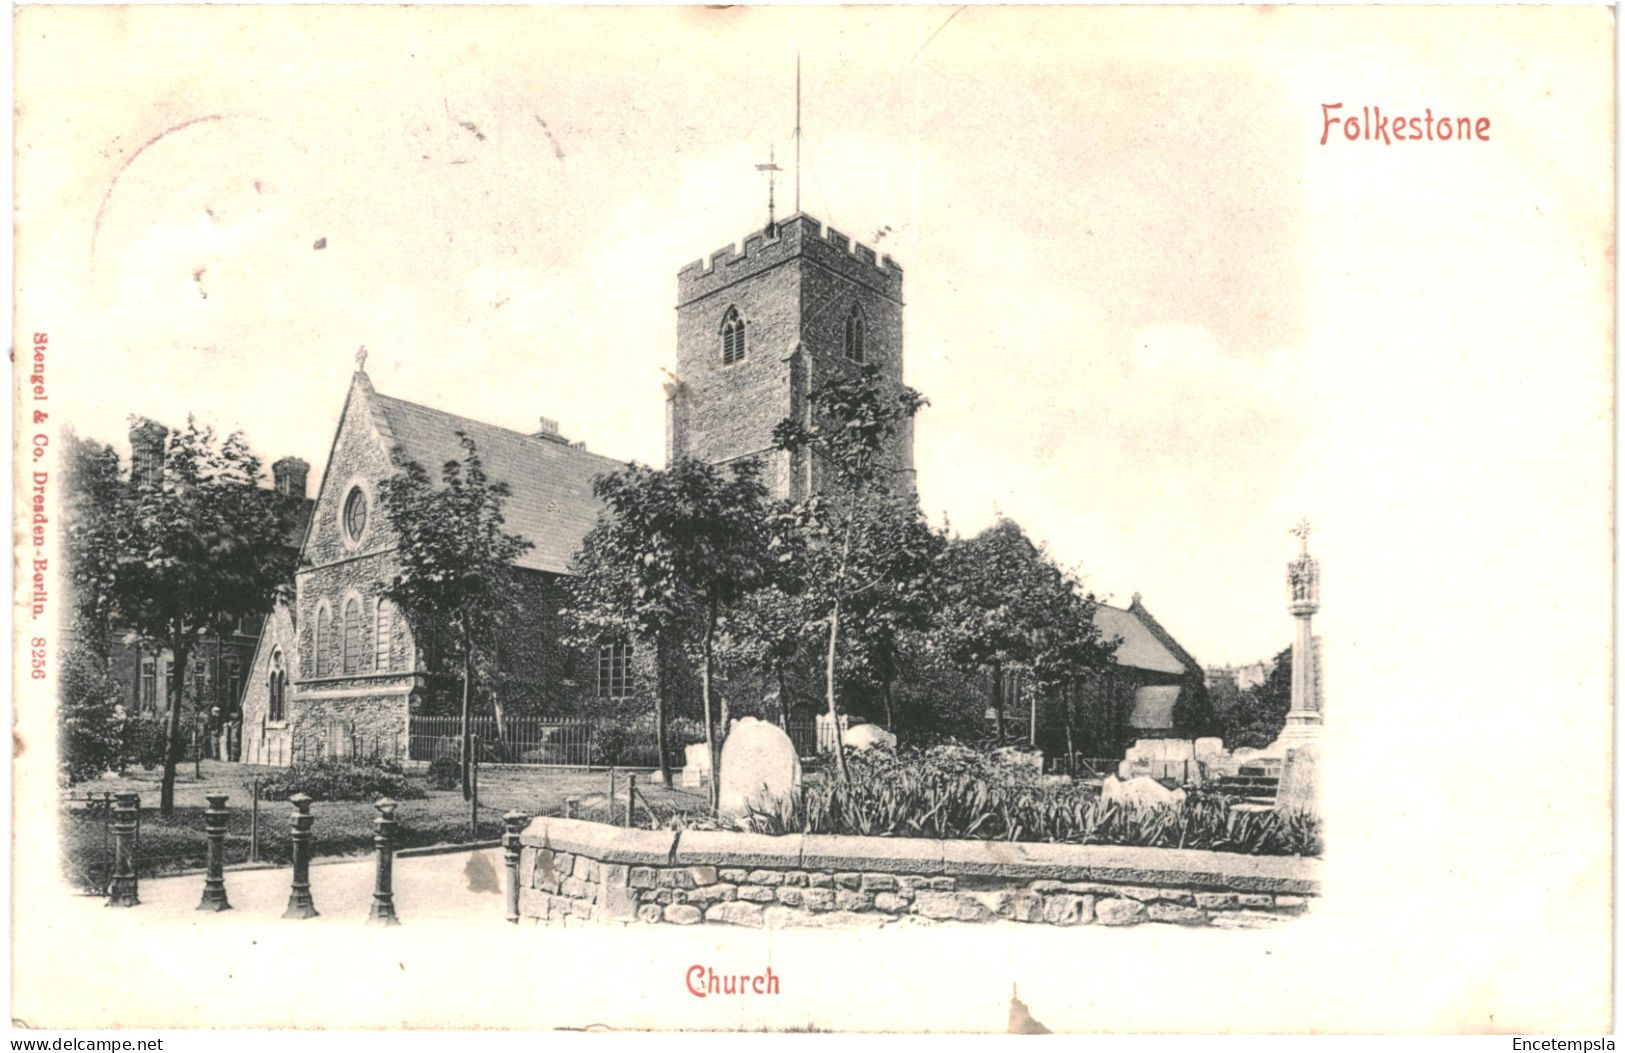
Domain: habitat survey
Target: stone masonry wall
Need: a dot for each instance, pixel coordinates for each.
(573, 872)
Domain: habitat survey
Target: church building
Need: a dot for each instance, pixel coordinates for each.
(758, 328)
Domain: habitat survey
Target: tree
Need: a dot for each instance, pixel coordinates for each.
(456, 565)
(1259, 713)
(1069, 650)
(1000, 593)
(672, 552)
(853, 420)
(90, 720)
(93, 498)
(201, 545)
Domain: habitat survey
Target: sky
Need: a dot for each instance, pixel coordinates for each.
(1108, 230)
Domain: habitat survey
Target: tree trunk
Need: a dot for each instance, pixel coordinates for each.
(1071, 753)
(705, 698)
(885, 695)
(1032, 715)
(660, 719)
(829, 678)
(172, 726)
(784, 698)
(998, 699)
(468, 742)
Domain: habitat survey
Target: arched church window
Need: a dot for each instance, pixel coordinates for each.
(854, 334)
(324, 636)
(733, 337)
(352, 636)
(277, 686)
(385, 635)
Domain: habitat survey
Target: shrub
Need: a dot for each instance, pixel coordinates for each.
(90, 721)
(144, 742)
(445, 773)
(957, 793)
(342, 780)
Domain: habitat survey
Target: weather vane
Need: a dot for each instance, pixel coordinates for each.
(772, 170)
(361, 359)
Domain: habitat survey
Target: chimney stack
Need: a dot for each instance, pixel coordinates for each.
(550, 431)
(147, 438)
(291, 474)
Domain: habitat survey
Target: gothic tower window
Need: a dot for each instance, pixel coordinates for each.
(854, 334)
(733, 337)
(352, 637)
(614, 671)
(324, 632)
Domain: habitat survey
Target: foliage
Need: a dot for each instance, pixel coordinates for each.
(144, 742)
(93, 493)
(456, 563)
(872, 557)
(90, 720)
(672, 552)
(342, 780)
(1194, 716)
(957, 793)
(202, 544)
(1258, 714)
(1008, 606)
(445, 773)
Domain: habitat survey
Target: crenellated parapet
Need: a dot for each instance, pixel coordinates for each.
(798, 236)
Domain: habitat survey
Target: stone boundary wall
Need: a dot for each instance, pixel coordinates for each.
(572, 872)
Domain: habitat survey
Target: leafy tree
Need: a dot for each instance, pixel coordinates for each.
(853, 421)
(1258, 714)
(1194, 715)
(672, 552)
(1001, 593)
(201, 545)
(90, 719)
(456, 565)
(93, 498)
(1069, 650)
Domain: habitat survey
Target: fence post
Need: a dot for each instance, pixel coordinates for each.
(474, 787)
(254, 825)
(214, 882)
(513, 822)
(609, 807)
(383, 839)
(631, 794)
(122, 890)
(300, 905)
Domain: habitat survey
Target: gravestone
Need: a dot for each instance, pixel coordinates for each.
(863, 736)
(696, 764)
(1299, 789)
(759, 767)
(1139, 792)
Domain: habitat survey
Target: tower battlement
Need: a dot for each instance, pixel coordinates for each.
(798, 236)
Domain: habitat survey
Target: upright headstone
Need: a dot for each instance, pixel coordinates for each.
(1299, 789)
(759, 768)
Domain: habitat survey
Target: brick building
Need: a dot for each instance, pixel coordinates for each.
(218, 669)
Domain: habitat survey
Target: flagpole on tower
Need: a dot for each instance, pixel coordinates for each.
(798, 131)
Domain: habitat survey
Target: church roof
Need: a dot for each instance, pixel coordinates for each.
(1140, 648)
(551, 502)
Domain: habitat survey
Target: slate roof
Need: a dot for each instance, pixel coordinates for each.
(1140, 648)
(551, 504)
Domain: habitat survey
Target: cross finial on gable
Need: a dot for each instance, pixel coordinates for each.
(361, 359)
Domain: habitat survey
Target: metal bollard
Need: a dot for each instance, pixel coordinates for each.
(383, 893)
(122, 890)
(513, 823)
(214, 827)
(300, 905)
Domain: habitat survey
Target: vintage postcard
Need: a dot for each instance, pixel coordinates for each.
(902, 519)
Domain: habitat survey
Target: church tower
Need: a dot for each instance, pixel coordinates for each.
(758, 330)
